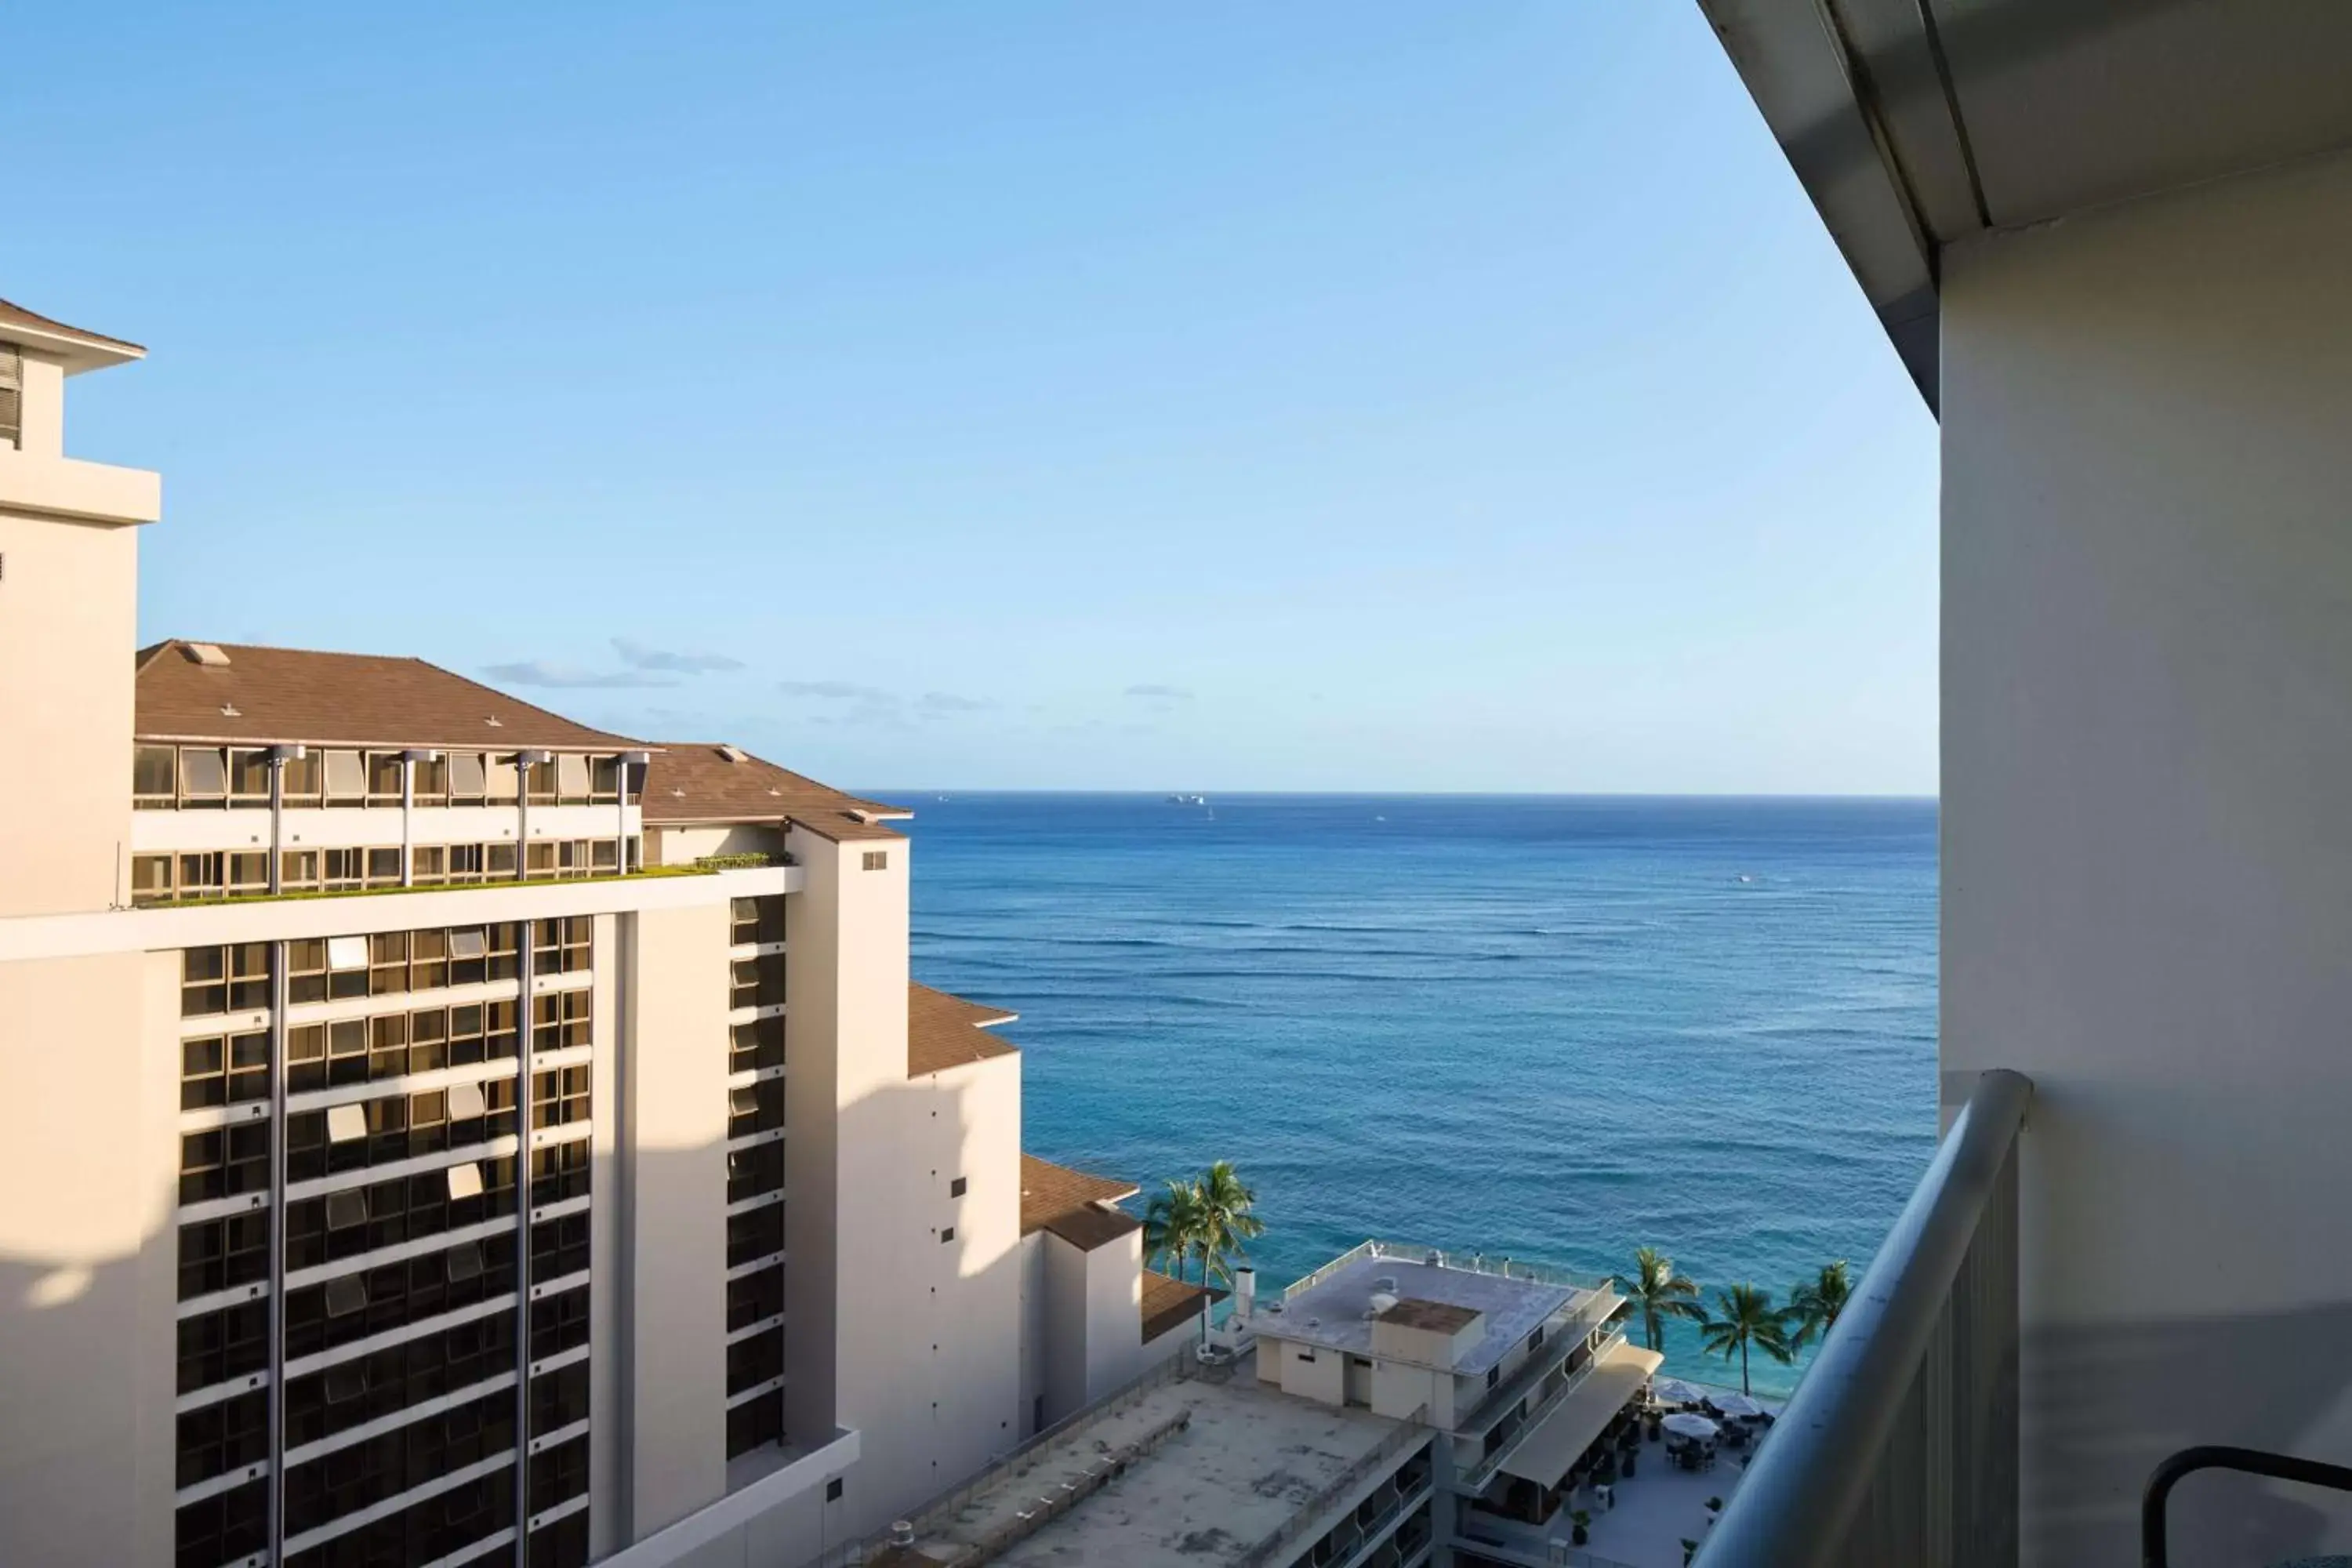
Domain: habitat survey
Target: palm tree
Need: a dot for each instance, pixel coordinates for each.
(1227, 1220)
(1171, 1226)
(1659, 1291)
(1747, 1318)
(1814, 1306)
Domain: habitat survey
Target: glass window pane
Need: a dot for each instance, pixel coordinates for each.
(202, 774)
(347, 952)
(465, 773)
(346, 778)
(154, 771)
(572, 774)
(499, 779)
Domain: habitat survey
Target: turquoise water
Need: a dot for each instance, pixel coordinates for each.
(1551, 1028)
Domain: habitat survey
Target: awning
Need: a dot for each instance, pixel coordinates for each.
(1561, 1439)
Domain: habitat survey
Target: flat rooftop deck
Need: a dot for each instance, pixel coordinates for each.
(1249, 1459)
(1331, 1312)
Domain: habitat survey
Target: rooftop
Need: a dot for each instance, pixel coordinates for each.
(945, 1031)
(231, 694)
(1073, 1204)
(1211, 1470)
(80, 350)
(1167, 1302)
(1334, 1307)
(703, 781)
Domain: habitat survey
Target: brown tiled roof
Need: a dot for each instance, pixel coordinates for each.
(944, 1031)
(17, 316)
(1437, 1316)
(1168, 1302)
(291, 695)
(1070, 1204)
(695, 781)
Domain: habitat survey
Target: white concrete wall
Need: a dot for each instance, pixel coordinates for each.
(2146, 834)
(1113, 1329)
(674, 1107)
(68, 613)
(1036, 1344)
(684, 845)
(90, 1072)
(1064, 1345)
(355, 827)
(1320, 1378)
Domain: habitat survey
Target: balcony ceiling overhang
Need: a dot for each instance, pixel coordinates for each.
(1913, 124)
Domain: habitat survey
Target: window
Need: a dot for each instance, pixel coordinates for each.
(155, 777)
(224, 979)
(560, 1170)
(560, 1095)
(757, 1044)
(757, 920)
(428, 865)
(832, 1490)
(393, 1295)
(222, 1162)
(559, 1247)
(1536, 1339)
(248, 778)
(558, 1475)
(297, 869)
(365, 1474)
(1306, 1354)
(1494, 1376)
(947, 1234)
(218, 1346)
(428, 960)
(429, 781)
(754, 1170)
(383, 770)
(605, 781)
(958, 1187)
(203, 777)
(202, 876)
(346, 778)
(755, 1108)
(756, 1233)
(225, 1526)
(248, 872)
(538, 860)
(498, 862)
(499, 779)
(878, 859)
(151, 878)
(561, 946)
(753, 1360)
(345, 868)
(383, 868)
(355, 1391)
(755, 1298)
(558, 1398)
(223, 1436)
(604, 856)
(218, 1071)
(300, 779)
(572, 779)
(221, 1254)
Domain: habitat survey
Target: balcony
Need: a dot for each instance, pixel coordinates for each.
(1901, 1444)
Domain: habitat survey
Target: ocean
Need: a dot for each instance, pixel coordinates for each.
(1546, 1028)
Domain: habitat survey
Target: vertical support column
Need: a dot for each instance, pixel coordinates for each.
(522, 825)
(526, 1027)
(277, 1431)
(408, 817)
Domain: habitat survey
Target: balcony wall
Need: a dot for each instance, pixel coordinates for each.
(2148, 831)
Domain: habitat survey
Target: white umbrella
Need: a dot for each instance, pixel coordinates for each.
(1671, 1391)
(1735, 1405)
(1683, 1424)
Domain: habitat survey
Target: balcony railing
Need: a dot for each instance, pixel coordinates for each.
(1473, 1480)
(1901, 1443)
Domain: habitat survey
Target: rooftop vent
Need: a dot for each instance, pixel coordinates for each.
(732, 754)
(1387, 1283)
(902, 1532)
(229, 711)
(204, 653)
(492, 720)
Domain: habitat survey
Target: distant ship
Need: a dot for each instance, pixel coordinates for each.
(1188, 800)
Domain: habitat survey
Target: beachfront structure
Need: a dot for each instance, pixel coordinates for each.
(2109, 242)
(434, 1130)
(1379, 1415)
(1520, 1370)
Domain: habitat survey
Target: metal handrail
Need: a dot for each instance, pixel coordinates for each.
(2155, 1553)
(1590, 1315)
(1807, 1484)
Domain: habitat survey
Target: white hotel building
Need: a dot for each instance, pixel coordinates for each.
(434, 1132)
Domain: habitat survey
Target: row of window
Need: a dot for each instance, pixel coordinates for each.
(394, 1295)
(755, 1297)
(225, 1436)
(754, 1359)
(753, 1170)
(198, 874)
(425, 1531)
(383, 1382)
(372, 1051)
(223, 1527)
(359, 1220)
(365, 1133)
(366, 1473)
(164, 777)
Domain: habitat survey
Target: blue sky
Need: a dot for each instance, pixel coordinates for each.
(1358, 395)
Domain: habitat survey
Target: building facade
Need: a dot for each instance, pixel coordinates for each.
(435, 1131)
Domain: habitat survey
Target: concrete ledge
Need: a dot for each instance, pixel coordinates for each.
(739, 1508)
(67, 487)
(357, 914)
